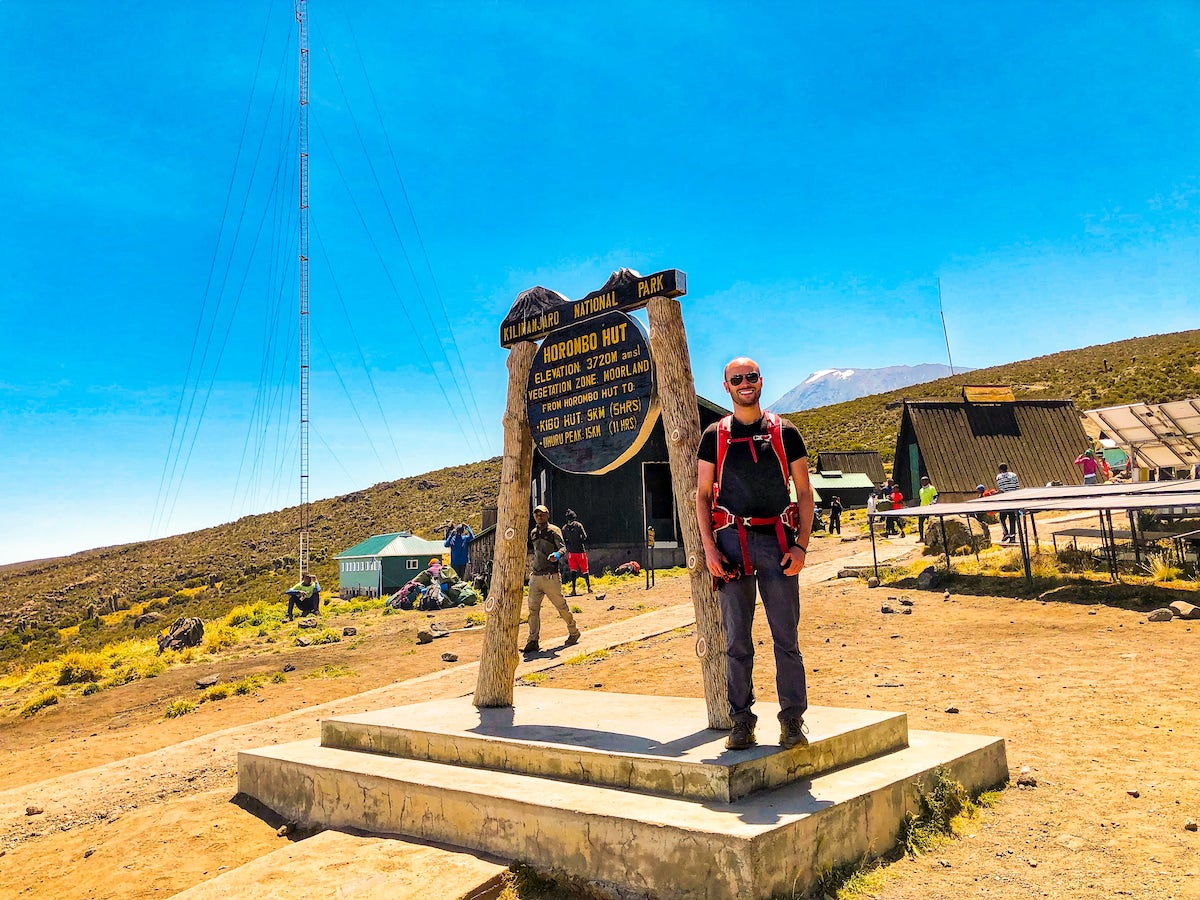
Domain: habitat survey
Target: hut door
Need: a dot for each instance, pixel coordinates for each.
(658, 501)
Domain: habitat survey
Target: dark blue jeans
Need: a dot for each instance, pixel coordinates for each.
(781, 600)
(1008, 524)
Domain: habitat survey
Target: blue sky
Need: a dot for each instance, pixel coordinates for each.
(814, 168)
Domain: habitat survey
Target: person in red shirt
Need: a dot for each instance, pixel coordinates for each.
(897, 503)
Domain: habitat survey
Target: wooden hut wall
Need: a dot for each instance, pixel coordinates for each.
(960, 445)
(612, 506)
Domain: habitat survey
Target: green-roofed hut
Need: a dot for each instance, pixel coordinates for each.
(383, 563)
(852, 487)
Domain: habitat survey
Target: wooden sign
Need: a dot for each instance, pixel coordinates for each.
(539, 310)
(590, 394)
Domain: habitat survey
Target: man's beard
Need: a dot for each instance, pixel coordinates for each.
(750, 401)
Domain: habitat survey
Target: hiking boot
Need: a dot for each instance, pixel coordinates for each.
(792, 733)
(531, 647)
(571, 641)
(741, 738)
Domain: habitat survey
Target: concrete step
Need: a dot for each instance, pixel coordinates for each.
(772, 842)
(640, 743)
(335, 865)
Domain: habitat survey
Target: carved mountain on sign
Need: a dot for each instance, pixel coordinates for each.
(534, 312)
(619, 278)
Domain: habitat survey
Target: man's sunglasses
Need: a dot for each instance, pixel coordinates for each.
(751, 378)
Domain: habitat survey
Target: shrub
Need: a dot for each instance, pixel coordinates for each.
(216, 692)
(90, 688)
(327, 637)
(45, 697)
(278, 678)
(330, 671)
(1075, 560)
(239, 615)
(77, 667)
(177, 708)
(248, 685)
(475, 617)
(219, 637)
(1161, 570)
(937, 807)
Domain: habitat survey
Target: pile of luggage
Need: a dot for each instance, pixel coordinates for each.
(429, 591)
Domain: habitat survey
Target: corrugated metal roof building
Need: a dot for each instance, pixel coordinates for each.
(852, 488)
(959, 444)
(384, 562)
(866, 462)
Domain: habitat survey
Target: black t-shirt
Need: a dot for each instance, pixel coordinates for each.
(749, 488)
(575, 536)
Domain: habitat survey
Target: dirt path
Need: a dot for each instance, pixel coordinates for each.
(1096, 703)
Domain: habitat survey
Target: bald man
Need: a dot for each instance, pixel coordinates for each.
(756, 537)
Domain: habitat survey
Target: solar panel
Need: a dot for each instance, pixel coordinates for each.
(1156, 435)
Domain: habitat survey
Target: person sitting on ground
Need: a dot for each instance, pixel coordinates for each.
(305, 596)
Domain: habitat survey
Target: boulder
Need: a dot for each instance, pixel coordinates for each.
(1184, 610)
(964, 535)
(1160, 615)
(928, 579)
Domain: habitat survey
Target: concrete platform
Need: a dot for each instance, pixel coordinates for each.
(335, 864)
(773, 841)
(638, 743)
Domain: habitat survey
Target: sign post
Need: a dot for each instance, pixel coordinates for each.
(589, 397)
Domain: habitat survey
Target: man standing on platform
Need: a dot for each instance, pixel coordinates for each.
(754, 536)
(548, 548)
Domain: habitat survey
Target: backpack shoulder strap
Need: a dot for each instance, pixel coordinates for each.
(723, 428)
(775, 429)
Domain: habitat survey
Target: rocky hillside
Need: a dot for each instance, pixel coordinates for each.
(209, 571)
(1148, 369)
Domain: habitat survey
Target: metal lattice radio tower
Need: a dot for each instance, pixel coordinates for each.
(302, 23)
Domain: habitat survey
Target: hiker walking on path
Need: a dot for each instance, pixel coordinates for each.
(575, 536)
(1007, 480)
(835, 515)
(548, 549)
(754, 536)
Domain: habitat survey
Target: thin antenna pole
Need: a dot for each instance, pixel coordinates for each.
(302, 23)
(945, 333)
